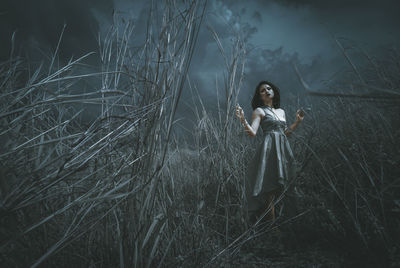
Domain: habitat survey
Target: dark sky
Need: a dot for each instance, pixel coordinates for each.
(280, 32)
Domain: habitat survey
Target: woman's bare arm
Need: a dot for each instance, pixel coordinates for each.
(251, 130)
(299, 118)
(292, 128)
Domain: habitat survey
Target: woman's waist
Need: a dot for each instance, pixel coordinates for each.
(274, 131)
(275, 126)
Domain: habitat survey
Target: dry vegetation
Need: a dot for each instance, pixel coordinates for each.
(118, 190)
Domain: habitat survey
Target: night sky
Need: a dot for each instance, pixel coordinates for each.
(278, 33)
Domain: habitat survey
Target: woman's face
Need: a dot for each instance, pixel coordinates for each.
(266, 92)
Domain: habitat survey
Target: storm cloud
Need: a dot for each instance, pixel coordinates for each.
(38, 26)
(278, 33)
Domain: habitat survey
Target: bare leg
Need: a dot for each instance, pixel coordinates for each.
(269, 204)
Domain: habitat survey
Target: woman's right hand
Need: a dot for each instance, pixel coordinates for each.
(299, 115)
(239, 112)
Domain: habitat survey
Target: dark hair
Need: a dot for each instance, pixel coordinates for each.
(257, 102)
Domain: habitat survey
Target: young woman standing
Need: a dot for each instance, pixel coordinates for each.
(273, 165)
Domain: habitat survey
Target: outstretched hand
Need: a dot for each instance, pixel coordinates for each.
(239, 112)
(299, 115)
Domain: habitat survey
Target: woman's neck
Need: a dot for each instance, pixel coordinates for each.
(268, 104)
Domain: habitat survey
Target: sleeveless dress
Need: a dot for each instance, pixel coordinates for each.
(273, 165)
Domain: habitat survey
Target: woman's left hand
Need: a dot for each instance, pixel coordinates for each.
(299, 115)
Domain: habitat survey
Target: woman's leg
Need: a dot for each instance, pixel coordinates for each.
(269, 204)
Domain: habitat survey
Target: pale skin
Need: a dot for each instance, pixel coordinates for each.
(267, 95)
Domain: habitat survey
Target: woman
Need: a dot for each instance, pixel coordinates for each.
(273, 165)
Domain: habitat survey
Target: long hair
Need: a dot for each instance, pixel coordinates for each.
(257, 102)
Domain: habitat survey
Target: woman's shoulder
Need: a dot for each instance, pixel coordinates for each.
(259, 111)
(262, 110)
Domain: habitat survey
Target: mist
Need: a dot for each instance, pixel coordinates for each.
(121, 142)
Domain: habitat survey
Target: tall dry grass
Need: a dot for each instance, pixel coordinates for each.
(82, 191)
(118, 190)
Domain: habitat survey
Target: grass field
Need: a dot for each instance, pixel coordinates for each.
(119, 189)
